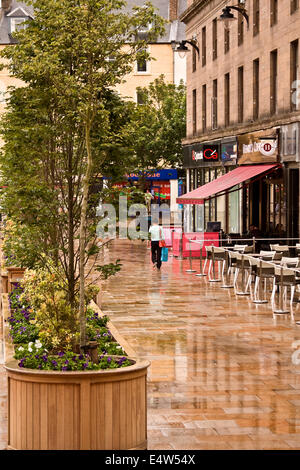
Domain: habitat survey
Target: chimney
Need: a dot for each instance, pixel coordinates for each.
(6, 5)
(173, 10)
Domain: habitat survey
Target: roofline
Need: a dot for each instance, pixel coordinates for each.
(20, 8)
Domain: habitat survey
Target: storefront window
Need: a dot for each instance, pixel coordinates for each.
(199, 216)
(188, 219)
(234, 211)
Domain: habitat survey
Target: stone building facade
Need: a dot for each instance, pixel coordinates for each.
(165, 61)
(243, 97)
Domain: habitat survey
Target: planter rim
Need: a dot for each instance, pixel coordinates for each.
(140, 364)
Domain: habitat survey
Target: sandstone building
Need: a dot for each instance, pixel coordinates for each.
(244, 110)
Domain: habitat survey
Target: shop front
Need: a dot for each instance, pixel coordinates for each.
(205, 163)
(263, 200)
(290, 159)
(237, 187)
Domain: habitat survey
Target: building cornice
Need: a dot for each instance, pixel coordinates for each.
(246, 128)
(193, 10)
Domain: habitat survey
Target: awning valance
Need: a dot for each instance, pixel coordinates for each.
(223, 183)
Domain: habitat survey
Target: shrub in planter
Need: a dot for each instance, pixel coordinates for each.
(44, 329)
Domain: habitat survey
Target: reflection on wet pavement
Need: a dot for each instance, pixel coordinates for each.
(221, 375)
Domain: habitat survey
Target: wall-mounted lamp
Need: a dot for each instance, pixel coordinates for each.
(182, 49)
(227, 16)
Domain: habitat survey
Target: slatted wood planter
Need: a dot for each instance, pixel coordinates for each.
(90, 410)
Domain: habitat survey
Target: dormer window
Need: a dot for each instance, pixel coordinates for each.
(18, 18)
(143, 31)
(16, 24)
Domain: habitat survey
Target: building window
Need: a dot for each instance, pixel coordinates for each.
(240, 30)
(215, 39)
(140, 97)
(203, 46)
(227, 99)
(294, 67)
(255, 89)
(194, 59)
(226, 40)
(141, 65)
(255, 17)
(273, 12)
(294, 6)
(240, 94)
(273, 81)
(214, 105)
(194, 112)
(16, 24)
(204, 108)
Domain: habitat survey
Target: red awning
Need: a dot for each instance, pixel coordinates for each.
(231, 179)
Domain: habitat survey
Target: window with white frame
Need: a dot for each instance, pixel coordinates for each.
(142, 65)
(16, 24)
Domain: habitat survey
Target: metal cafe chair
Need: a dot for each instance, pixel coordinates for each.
(290, 262)
(243, 248)
(232, 256)
(284, 278)
(267, 255)
(263, 272)
(280, 250)
(243, 266)
(216, 254)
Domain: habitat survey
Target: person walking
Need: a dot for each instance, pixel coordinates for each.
(157, 235)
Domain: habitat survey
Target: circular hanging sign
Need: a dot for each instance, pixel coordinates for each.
(268, 148)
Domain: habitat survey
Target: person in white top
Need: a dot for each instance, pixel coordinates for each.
(157, 234)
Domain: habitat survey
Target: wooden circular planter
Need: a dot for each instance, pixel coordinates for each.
(89, 410)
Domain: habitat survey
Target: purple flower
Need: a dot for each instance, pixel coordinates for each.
(64, 368)
(81, 357)
(21, 363)
(109, 359)
(66, 361)
(85, 365)
(61, 354)
(54, 363)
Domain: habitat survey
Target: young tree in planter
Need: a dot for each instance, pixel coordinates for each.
(72, 52)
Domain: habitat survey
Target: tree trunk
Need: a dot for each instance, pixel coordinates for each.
(71, 267)
(82, 234)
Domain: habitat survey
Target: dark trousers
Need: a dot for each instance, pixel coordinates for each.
(156, 253)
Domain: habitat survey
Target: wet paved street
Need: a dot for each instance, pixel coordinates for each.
(221, 374)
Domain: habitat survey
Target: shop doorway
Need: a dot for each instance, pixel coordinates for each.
(293, 203)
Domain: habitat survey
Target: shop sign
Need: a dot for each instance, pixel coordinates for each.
(201, 155)
(211, 153)
(229, 152)
(197, 156)
(164, 174)
(259, 147)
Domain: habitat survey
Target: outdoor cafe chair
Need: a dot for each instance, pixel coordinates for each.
(267, 255)
(287, 278)
(280, 250)
(241, 264)
(219, 256)
(263, 272)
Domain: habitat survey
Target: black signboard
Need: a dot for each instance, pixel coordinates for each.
(211, 153)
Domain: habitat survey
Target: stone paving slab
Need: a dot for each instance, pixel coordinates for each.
(221, 374)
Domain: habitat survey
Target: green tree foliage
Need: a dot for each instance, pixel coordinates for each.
(159, 125)
(57, 131)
